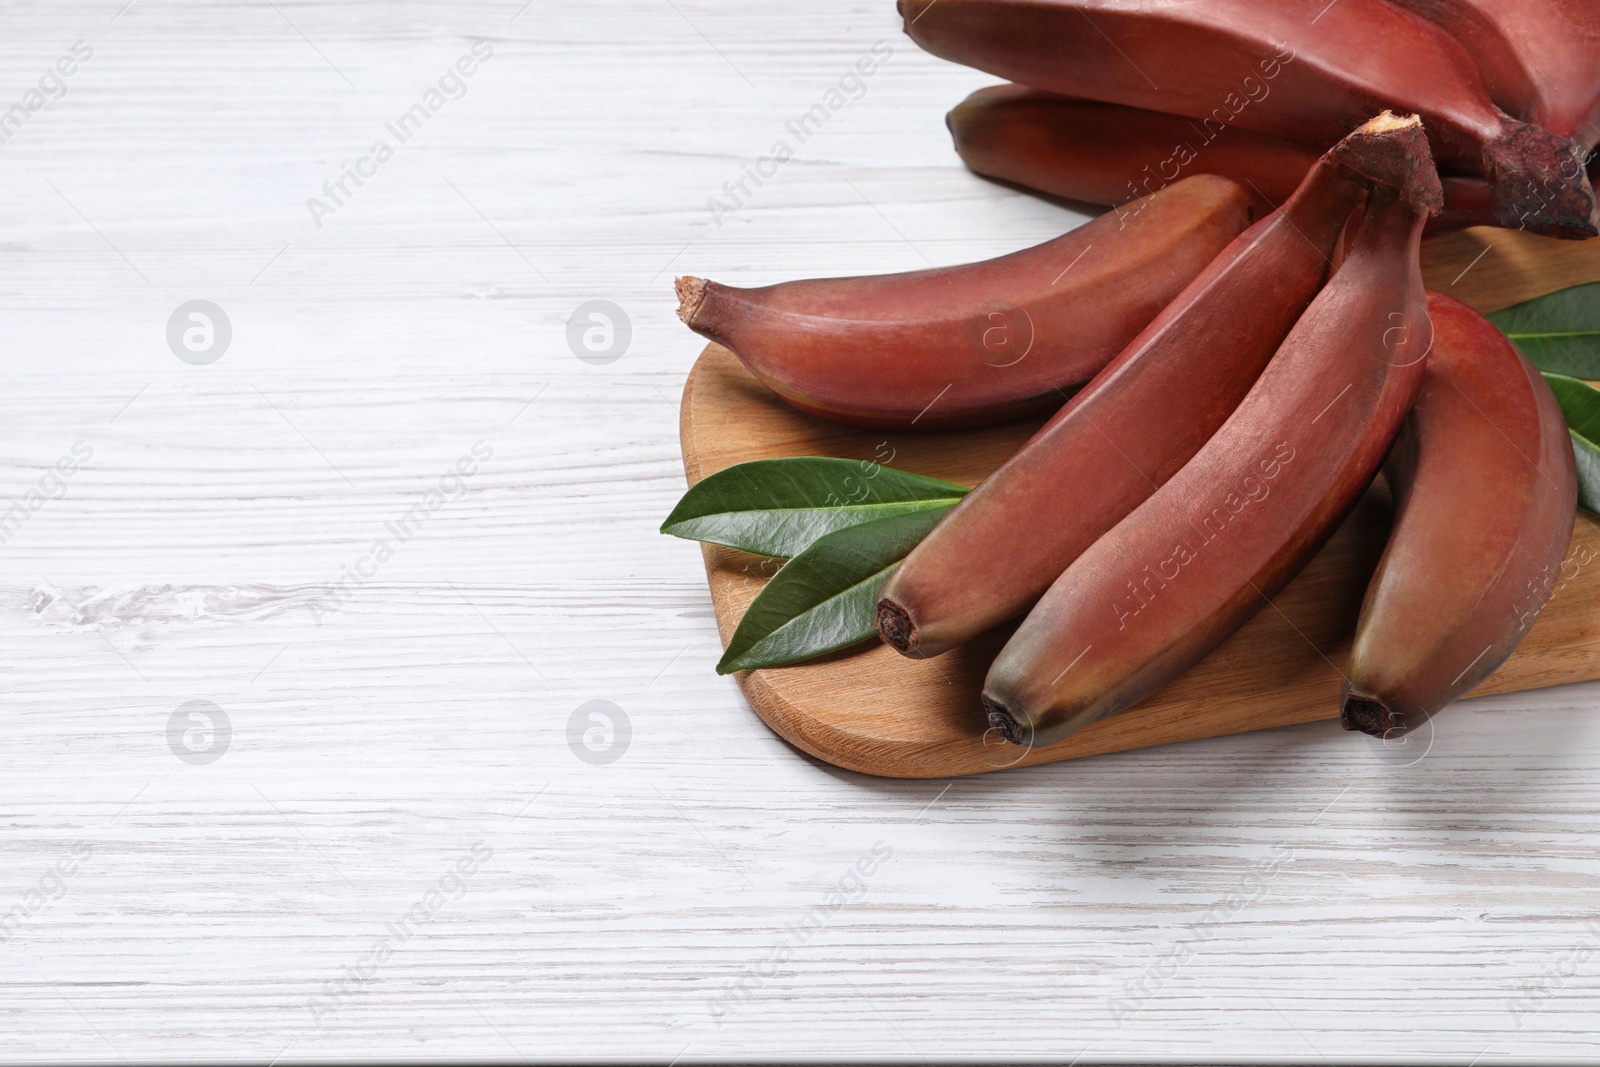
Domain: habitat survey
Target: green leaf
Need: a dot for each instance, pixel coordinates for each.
(1588, 457)
(1559, 332)
(825, 598)
(1580, 403)
(778, 507)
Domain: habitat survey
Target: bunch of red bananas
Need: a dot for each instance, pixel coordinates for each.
(1245, 382)
(1124, 96)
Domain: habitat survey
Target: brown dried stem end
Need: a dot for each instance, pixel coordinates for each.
(691, 294)
(1367, 714)
(1393, 150)
(1538, 183)
(895, 627)
(1000, 718)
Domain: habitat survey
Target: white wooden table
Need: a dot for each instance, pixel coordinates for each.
(293, 887)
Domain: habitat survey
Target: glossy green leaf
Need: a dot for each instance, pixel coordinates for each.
(1580, 403)
(1588, 457)
(778, 507)
(1559, 332)
(825, 598)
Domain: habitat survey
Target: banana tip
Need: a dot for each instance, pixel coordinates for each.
(912, 10)
(1368, 715)
(896, 628)
(1000, 718)
(691, 293)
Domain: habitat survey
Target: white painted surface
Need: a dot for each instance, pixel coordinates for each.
(1288, 895)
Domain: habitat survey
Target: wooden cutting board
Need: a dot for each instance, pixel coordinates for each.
(870, 709)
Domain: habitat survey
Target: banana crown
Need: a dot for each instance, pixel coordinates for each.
(1393, 150)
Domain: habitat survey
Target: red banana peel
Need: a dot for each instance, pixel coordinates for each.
(1303, 70)
(1109, 154)
(1540, 59)
(1210, 548)
(1485, 496)
(1108, 449)
(977, 344)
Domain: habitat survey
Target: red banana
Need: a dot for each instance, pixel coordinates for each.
(1210, 548)
(1109, 154)
(1304, 70)
(1540, 59)
(976, 344)
(1485, 493)
(1105, 452)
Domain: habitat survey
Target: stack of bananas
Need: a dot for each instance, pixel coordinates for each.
(1247, 331)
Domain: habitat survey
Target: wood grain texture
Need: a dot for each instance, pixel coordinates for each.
(873, 710)
(1278, 896)
(1492, 269)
